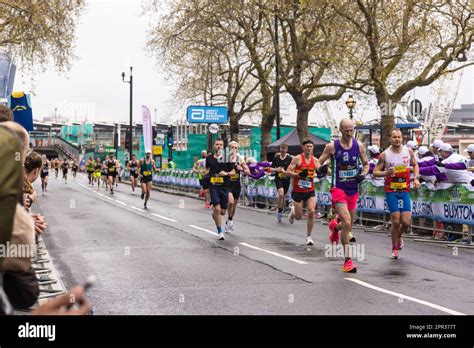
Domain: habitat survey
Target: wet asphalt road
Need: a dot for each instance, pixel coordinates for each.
(167, 260)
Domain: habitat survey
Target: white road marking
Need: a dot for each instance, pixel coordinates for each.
(396, 294)
(275, 254)
(119, 202)
(163, 217)
(138, 209)
(109, 198)
(100, 194)
(203, 229)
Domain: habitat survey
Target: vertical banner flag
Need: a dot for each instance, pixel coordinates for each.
(147, 131)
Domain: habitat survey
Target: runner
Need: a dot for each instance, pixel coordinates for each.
(64, 168)
(90, 169)
(234, 183)
(56, 164)
(346, 152)
(280, 164)
(45, 174)
(119, 173)
(303, 169)
(75, 167)
(220, 169)
(203, 176)
(132, 167)
(394, 164)
(145, 167)
(97, 172)
(103, 173)
(112, 167)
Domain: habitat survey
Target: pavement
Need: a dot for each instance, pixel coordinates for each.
(167, 260)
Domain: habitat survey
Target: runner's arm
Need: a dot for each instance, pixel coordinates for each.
(379, 167)
(291, 168)
(364, 160)
(415, 168)
(245, 167)
(327, 153)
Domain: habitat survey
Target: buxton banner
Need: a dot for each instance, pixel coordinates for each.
(448, 202)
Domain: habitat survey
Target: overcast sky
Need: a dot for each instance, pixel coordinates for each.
(110, 38)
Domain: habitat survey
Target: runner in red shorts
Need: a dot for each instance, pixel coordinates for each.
(347, 153)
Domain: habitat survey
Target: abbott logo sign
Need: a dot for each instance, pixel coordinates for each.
(207, 114)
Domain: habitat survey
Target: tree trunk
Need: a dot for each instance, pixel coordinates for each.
(266, 138)
(234, 127)
(302, 120)
(387, 123)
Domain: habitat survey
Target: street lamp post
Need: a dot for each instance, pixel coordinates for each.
(277, 79)
(350, 103)
(130, 139)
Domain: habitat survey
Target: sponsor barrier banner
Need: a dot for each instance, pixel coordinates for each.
(452, 203)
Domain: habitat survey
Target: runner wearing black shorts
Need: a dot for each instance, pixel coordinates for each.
(280, 164)
(112, 167)
(44, 174)
(132, 166)
(146, 167)
(220, 169)
(234, 183)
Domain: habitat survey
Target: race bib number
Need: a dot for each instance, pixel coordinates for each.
(234, 177)
(217, 180)
(304, 184)
(147, 173)
(282, 175)
(112, 169)
(398, 185)
(45, 170)
(347, 172)
(400, 168)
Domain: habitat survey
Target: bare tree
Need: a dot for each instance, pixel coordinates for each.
(38, 32)
(409, 44)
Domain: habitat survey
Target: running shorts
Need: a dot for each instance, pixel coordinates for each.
(302, 196)
(282, 183)
(340, 197)
(236, 192)
(146, 179)
(219, 195)
(96, 175)
(398, 202)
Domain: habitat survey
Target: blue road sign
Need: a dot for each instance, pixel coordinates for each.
(207, 114)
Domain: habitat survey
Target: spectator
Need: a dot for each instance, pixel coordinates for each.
(470, 153)
(374, 154)
(412, 145)
(453, 166)
(5, 114)
(435, 147)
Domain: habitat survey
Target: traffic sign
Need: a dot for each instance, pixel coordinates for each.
(415, 107)
(207, 114)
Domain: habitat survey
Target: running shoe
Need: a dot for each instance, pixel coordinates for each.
(207, 205)
(394, 254)
(349, 267)
(400, 244)
(309, 241)
(227, 226)
(143, 195)
(279, 216)
(220, 236)
(351, 237)
(230, 225)
(291, 216)
(334, 236)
